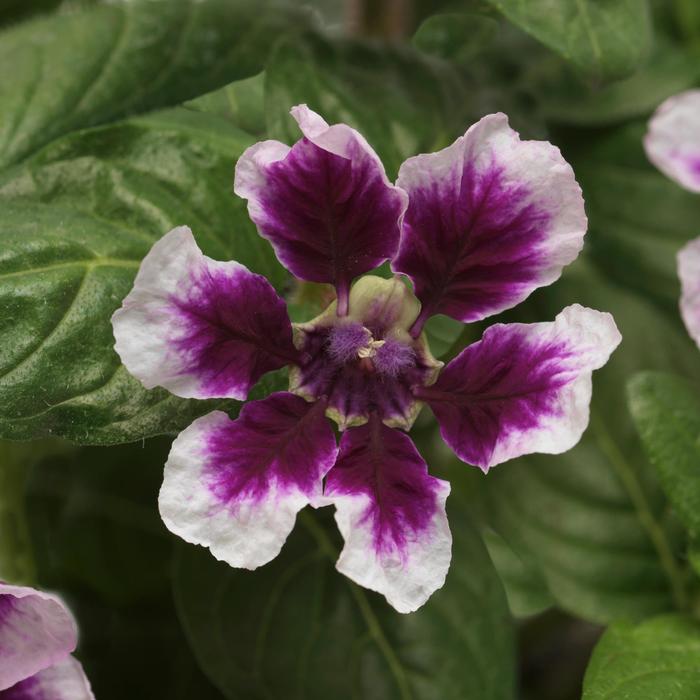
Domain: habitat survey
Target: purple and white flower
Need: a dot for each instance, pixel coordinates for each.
(37, 636)
(476, 228)
(672, 144)
(672, 141)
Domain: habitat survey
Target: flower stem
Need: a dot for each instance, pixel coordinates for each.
(645, 514)
(390, 19)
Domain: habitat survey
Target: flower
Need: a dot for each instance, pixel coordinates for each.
(672, 141)
(672, 144)
(37, 636)
(476, 227)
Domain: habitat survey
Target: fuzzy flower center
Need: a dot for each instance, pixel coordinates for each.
(353, 342)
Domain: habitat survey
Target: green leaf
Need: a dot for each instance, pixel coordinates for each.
(686, 14)
(655, 659)
(87, 68)
(526, 587)
(297, 628)
(669, 70)
(442, 332)
(632, 238)
(457, 37)
(605, 39)
(77, 220)
(137, 652)
(666, 409)
(594, 521)
(85, 517)
(242, 103)
(402, 102)
(694, 557)
(99, 541)
(16, 557)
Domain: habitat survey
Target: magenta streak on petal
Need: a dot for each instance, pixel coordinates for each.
(329, 218)
(503, 383)
(36, 631)
(471, 243)
(281, 441)
(357, 387)
(382, 464)
(7, 606)
(28, 689)
(694, 166)
(233, 329)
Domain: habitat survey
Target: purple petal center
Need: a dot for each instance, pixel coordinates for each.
(507, 383)
(272, 444)
(230, 322)
(382, 464)
(472, 243)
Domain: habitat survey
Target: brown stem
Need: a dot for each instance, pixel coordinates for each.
(384, 19)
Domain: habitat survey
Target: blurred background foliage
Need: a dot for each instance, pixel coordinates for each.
(121, 120)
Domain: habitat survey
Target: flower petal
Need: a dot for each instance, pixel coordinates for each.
(236, 486)
(672, 142)
(490, 219)
(199, 327)
(522, 388)
(36, 631)
(689, 273)
(326, 204)
(391, 514)
(65, 680)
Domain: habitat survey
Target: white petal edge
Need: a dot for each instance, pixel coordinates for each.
(58, 627)
(536, 164)
(405, 585)
(250, 178)
(594, 336)
(672, 141)
(689, 273)
(65, 680)
(248, 538)
(338, 139)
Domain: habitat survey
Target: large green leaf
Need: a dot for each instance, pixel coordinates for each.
(77, 220)
(670, 69)
(524, 583)
(604, 39)
(87, 68)
(666, 409)
(653, 660)
(633, 237)
(98, 540)
(457, 37)
(401, 101)
(242, 103)
(298, 629)
(594, 521)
